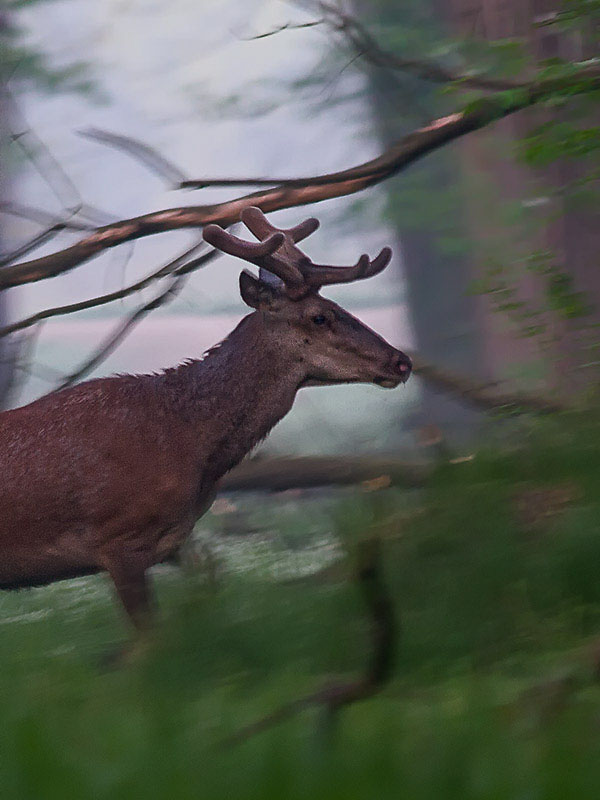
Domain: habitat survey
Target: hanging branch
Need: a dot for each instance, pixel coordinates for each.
(308, 190)
(147, 155)
(356, 35)
(179, 277)
(42, 217)
(166, 269)
(332, 697)
(36, 241)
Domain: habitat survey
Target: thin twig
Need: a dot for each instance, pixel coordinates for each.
(125, 326)
(147, 155)
(42, 217)
(117, 336)
(287, 26)
(36, 241)
(166, 269)
(359, 38)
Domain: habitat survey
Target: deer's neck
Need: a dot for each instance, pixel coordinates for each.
(234, 396)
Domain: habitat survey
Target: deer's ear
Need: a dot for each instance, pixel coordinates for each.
(255, 293)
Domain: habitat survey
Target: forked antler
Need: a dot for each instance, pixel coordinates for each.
(277, 253)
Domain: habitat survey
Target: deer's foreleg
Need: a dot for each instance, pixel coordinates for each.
(132, 585)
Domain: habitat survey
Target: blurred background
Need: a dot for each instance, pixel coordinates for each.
(477, 482)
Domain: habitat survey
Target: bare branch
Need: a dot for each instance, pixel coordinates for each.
(49, 168)
(42, 217)
(358, 37)
(309, 472)
(332, 697)
(37, 241)
(125, 326)
(166, 269)
(142, 152)
(309, 190)
(287, 26)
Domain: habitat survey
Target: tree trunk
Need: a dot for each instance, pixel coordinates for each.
(444, 316)
(571, 234)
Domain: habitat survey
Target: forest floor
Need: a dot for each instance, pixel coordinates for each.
(494, 573)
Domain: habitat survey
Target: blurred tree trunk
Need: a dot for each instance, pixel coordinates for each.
(463, 192)
(444, 316)
(571, 232)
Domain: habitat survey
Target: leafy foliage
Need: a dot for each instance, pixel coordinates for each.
(493, 572)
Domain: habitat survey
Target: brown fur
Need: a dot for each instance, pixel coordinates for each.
(113, 474)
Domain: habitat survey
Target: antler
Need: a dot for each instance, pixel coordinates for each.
(277, 253)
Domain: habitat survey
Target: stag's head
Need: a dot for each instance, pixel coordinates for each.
(332, 345)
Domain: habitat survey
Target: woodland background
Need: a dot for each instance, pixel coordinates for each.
(415, 609)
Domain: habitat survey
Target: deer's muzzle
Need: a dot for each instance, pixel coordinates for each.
(399, 371)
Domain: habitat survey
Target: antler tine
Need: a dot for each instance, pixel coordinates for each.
(321, 275)
(254, 219)
(303, 229)
(258, 253)
(276, 253)
(234, 246)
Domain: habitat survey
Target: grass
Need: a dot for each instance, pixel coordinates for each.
(494, 570)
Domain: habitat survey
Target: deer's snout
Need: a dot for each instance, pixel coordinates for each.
(397, 370)
(403, 366)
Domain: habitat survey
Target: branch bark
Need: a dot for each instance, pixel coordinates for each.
(309, 472)
(307, 190)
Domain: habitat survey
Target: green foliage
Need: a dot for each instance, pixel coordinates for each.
(582, 15)
(559, 140)
(493, 572)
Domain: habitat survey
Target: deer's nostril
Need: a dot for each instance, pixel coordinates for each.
(404, 365)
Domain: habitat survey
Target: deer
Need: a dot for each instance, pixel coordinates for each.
(112, 474)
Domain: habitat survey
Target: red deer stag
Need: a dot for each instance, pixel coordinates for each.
(113, 473)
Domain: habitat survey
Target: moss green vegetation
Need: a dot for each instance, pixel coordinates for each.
(494, 571)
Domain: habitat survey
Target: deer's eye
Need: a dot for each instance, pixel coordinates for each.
(319, 319)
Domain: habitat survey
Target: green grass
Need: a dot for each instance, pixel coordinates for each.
(494, 570)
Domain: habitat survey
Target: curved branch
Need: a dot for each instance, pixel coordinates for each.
(485, 397)
(365, 45)
(176, 284)
(309, 190)
(169, 268)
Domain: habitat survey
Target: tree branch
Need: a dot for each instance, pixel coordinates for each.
(310, 472)
(332, 697)
(308, 190)
(360, 40)
(123, 328)
(169, 268)
(486, 396)
(147, 155)
(176, 284)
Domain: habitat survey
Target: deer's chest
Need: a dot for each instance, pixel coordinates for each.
(171, 537)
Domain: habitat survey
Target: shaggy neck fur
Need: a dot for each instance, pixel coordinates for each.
(235, 394)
